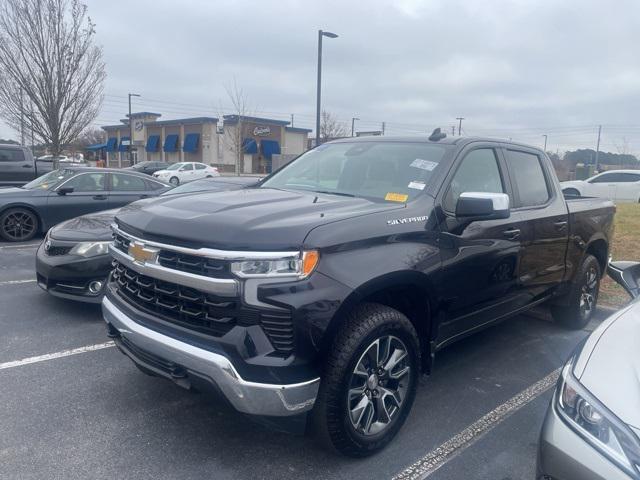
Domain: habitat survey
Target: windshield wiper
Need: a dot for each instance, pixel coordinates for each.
(335, 193)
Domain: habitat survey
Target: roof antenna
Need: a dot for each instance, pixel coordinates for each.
(437, 135)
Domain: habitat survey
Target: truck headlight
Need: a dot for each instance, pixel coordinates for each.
(300, 266)
(588, 417)
(90, 249)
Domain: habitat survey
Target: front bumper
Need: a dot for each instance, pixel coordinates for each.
(564, 455)
(179, 361)
(69, 276)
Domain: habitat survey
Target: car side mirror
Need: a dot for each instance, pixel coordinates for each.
(64, 190)
(626, 274)
(482, 206)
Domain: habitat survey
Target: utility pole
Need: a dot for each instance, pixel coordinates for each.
(21, 118)
(453, 130)
(353, 125)
(32, 136)
(598, 146)
(319, 85)
(131, 130)
(459, 125)
(292, 119)
(383, 125)
(545, 143)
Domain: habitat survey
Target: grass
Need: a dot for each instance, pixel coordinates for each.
(626, 246)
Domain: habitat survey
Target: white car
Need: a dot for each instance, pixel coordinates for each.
(184, 172)
(613, 184)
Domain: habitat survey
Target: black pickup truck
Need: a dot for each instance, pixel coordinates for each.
(325, 291)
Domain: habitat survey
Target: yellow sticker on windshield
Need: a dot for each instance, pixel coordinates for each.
(396, 197)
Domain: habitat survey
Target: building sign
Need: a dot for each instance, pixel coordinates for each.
(138, 127)
(262, 131)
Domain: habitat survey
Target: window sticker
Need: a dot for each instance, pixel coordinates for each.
(424, 164)
(396, 197)
(417, 185)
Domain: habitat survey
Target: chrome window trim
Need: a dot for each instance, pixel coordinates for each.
(211, 252)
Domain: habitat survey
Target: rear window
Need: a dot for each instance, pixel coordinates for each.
(11, 155)
(380, 171)
(527, 174)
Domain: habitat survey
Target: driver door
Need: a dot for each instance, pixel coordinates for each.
(603, 186)
(89, 195)
(480, 259)
(187, 173)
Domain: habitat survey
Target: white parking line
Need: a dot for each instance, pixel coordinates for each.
(14, 282)
(52, 356)
(436, 458)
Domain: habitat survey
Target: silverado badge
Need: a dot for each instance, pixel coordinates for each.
(141, 253)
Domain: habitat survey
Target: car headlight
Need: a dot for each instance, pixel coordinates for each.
(588, 417)
(299, 265)
(90, 249)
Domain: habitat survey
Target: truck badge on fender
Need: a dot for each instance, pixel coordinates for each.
(400, 221)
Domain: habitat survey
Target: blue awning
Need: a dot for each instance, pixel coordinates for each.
(171, 143)
(124, 144)
(270, 147)
(97, 146)
(191, 142)
(112, 143)
(153, 143)
(249, 146)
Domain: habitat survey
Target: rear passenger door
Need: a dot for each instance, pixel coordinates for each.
(545, 228)
(127, 188)
(628, 186)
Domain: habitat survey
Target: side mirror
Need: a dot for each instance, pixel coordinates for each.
(64, 190)
(626, 274)
(482, 206)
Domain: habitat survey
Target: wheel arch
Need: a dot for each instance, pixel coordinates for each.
(26, 206)
(599, 248)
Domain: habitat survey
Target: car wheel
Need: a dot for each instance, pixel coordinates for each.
(18, 225)
(369, 382)
(582, 298)
(209, 176)
(174, 181)
(571, 192)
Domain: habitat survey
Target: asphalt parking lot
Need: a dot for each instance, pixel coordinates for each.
(74, 407)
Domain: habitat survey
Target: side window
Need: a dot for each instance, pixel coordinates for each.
(200, 166)
(627, 177)
(478, 172)
(604, 178)
(154, 185)
(187, 167)
(527, 174)
(87, 182)
(121, 182)
(11, 155)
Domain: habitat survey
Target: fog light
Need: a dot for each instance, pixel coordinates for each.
(95, 287)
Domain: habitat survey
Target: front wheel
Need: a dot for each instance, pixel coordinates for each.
(369, 382)
(582, 298)
(174, 181)
(18, 225)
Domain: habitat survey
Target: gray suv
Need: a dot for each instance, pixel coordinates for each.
(17, 165)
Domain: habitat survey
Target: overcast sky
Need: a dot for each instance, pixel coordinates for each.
(515, 69)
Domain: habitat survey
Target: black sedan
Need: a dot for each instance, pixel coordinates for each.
(73, 261)
(67, 193)
(148, 167)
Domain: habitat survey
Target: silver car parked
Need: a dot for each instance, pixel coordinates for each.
(592, 427)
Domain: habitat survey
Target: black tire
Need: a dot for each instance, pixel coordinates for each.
(175, 181)
(333, 414)
(582, 299)
(571, 192)
(18, 225)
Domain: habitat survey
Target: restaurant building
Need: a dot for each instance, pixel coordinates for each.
(250, 142)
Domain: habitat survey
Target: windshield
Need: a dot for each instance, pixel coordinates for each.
(384, 171)
(175, 166)
(50, 180)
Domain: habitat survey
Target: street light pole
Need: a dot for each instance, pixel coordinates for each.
(545, 143)
(459, 125)
(131, 129)
(318, 88)
(353, 124)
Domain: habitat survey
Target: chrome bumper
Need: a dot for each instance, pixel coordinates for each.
(248, 397)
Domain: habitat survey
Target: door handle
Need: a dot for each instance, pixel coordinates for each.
(144, 196)
(27, 166)
(512, 233)
(99, 197)
(560, 225)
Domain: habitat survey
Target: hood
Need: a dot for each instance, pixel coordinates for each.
(93, 227)
(250, 219)
(612, 371)
(161, 172)
(15, 192)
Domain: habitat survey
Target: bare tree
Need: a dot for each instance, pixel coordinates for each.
(330, 127)
(235, 131)
(90, 136)
(48, 58)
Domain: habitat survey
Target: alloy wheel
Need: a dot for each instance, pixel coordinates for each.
(589, 293)
(379, 385)
(19, 225)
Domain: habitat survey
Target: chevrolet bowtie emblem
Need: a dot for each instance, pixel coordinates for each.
(142, 253)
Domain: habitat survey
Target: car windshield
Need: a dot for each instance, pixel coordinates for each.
(50, 180)
(175, 166)
(380, 171)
